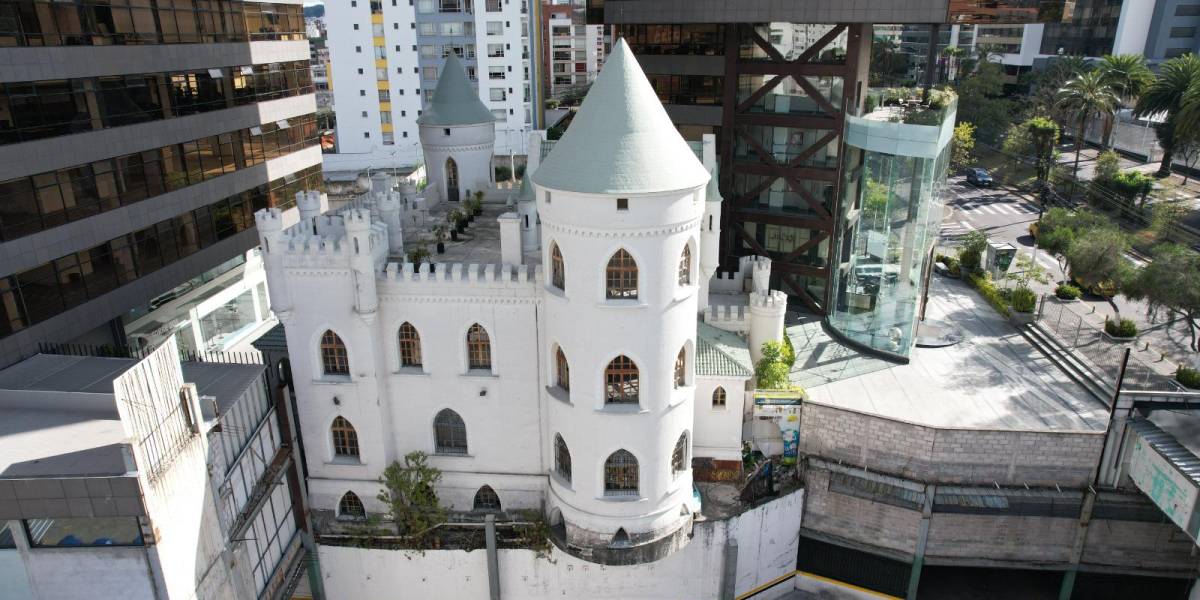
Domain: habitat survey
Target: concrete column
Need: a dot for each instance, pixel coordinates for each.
(914, 577)
(510, 238)
(493, 560)
(1085, 518)
(729, 571)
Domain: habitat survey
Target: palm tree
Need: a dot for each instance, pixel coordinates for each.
(1169, 95)
(1128, 76)
(1058, 72)
(1086, 95)
(952, 54)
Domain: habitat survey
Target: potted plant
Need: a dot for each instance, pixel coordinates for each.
(477, 205)
(469, 210)
(439, 233)
(1066, 292)
(420, 253)
(454, 219)
(1023, 302)
(1120, 330)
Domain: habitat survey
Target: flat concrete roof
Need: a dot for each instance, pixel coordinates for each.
(993, 379)
(57, 443)
(479, 244)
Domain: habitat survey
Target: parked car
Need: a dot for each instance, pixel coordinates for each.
(979, 177)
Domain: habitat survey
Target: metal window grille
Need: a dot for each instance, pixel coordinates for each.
(621, 381)
(410, 346)
(450, 433)
(558, 276)
(345, 438)
(334, 359)
(564, 371)
(486, 499)
(479, 348)
(621, 276)
(351, 506)
(681, 368)
(718, 397)
(679, 455)
(562, 458)
(621, 474)
(685, 267)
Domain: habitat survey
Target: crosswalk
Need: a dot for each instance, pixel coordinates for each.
(997, 208)
(952, 231)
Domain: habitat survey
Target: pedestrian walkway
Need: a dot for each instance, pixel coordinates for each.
(953, 231)
(997, 208)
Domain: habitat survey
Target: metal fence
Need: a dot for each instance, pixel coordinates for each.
(1101, 354)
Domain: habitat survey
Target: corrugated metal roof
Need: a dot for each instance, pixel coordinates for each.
(721, 353)
(273, 339)
(1165, 444)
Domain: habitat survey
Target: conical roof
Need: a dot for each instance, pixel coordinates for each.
(526, 192)
(455, 101)
(621, 140)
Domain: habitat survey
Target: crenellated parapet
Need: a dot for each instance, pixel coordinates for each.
(460, 279)
(735, 318)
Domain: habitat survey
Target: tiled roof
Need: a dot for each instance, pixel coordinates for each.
(455, 101)
(721, 353)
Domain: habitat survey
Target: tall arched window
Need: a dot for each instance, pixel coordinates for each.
(718, 397)
(479, 348)
(685, 266)
(486, 499)
(681, 368)
(621, 474)
(558, 271)
(562, 370)
(350, 507)
(621, 277)
(562, 458)
(410, 346)
(450, 433)
(621, 381)
(334, 360)
(679, 455)
(345, 438)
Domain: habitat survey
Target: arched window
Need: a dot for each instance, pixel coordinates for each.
(620, 538)
(334, 360)
(345, 438)
(351, 507)
(621, 474)
(621, 277)
(449, 432)
(563, 370)
(486, 499)
(681, 368)
(718, 397)
(562, 458)
(558, 272)
(621, 381)
(679, 455)
(479, 348)
(410, 346)
(685, 266)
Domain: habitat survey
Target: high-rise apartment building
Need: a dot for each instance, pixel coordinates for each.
(136, 140)
(572, 49)
(386, 56)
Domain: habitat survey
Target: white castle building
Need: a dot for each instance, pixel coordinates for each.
(584, 375)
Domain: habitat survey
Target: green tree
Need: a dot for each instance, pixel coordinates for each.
(1046, 84)
(1171, 283)
(1169, 95)
(1108, 166)
(981, 101)
(963, 144)
(1132, 185)
(970, 252)
(1034, 140)
(1086, 96)
(1128, 76)
(408, 491)
(773, 370)
(1096, 259)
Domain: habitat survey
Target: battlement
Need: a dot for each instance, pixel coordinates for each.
(270, 219)
(738, 281)
(773, 300)
(728, 317)
(486, 277)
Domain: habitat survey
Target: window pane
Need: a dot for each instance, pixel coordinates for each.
(97, 531)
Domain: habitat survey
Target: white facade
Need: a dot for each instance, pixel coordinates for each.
(576, 53)
(385, 64)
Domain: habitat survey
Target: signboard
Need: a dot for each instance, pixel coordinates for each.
(1169, 489)
(782, 407)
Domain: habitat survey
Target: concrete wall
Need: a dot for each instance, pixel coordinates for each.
(72, 573)
(12, 573)
(949, 455)
(767, 539)
(890, 528)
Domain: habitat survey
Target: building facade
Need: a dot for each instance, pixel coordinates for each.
(386, 58)
(136, 146)
(572, 50)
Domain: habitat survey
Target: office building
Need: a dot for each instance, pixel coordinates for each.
(572, 50)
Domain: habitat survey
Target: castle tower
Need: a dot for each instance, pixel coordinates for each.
(458, 134)
(621, 196)
(527, 211)
(270, 238)
(361, 240)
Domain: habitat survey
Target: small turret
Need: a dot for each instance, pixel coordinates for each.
(767, 308)
(531, 238)
(270, 236)
(390, 212)
(309, 203)
(362, 261)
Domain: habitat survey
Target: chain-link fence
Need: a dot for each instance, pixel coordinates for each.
(1099, 352)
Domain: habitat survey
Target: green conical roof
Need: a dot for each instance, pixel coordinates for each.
(621, 140)
(526, 193)
(455, 101)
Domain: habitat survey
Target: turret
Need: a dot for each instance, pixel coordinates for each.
(270, 237)
(767, 308)
(458, 135)
(362, 261)
(310, 206)
(388, 205)
(527, 211)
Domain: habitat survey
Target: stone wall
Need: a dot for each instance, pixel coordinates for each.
(1000, 538)
(872, 523)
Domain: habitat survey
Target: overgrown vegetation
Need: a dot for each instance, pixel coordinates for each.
(1188, 377)
(989, 291)
(408, 492)
(970, 252)
(774, 368)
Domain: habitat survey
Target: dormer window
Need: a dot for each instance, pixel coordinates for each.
(622, 203)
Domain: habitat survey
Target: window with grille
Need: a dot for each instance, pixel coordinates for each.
(345, 438)
(450, 434)
(486, 499)
(558, 271)
(718, 397)
(562, 458)
(621, 277)
(685, 266)
(350, 507)
(679, 455)
(681, 368)
(563, 370)
(493, 6)
(410, 346)
(621, 474)
(479, 348)
(334, 360)
(621, 381)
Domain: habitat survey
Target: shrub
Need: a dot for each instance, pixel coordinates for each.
(772, 369)
(1121, 328)
(988, 290)
(520, 171)
(1066, 291)
(503, 173)
(1188, 377)
(971, 251)
(1023, 299)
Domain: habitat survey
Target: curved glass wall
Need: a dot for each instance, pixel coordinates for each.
(890, 218)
